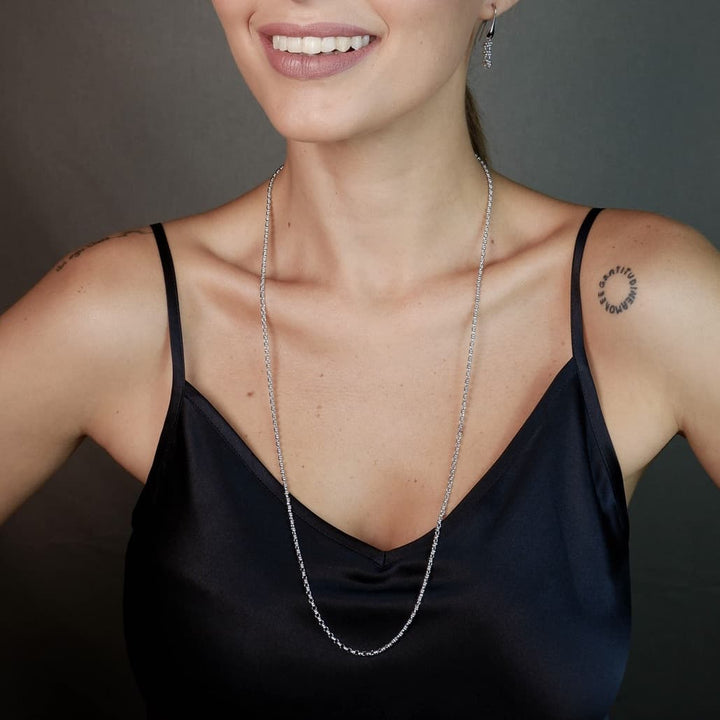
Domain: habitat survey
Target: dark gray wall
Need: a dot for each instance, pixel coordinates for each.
(116, 114)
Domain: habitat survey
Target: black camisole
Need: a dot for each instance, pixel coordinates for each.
(526, 615)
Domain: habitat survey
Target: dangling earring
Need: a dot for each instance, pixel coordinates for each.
(488, 43)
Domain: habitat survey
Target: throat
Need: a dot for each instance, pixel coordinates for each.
(390, 236)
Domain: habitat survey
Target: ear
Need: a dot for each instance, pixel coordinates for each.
(500, 6)
(487, 9)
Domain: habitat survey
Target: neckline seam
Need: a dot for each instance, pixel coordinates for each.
(484, 484)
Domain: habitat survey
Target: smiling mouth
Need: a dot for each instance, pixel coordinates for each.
(313, 45)
(315, 51)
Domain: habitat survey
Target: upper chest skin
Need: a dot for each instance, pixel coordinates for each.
(368, 395)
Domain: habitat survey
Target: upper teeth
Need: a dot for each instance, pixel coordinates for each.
(317, 45)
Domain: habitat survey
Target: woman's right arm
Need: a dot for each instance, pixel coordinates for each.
(67, 349)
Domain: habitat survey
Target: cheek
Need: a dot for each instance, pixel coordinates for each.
(225, 7)
(432, 34)
(432, 48)
(234, 16)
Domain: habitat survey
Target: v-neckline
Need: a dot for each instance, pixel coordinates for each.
(381, 557)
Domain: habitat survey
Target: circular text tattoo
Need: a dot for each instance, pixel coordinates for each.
(618, 289)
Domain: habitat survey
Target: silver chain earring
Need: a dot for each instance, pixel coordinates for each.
(488, 43)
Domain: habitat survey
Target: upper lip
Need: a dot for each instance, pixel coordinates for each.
(313, 30)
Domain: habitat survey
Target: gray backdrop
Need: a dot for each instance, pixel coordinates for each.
(117, 114)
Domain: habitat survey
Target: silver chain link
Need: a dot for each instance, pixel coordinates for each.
(458, 436)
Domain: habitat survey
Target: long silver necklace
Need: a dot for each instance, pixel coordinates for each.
(458, 435)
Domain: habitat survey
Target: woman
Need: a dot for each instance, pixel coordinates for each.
(579, 375)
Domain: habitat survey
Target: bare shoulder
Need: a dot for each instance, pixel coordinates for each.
(651, 310)
(657, 237)
(646, 273)
(121, 242)
(74, 349)
(109, 295)
(96, 314)
(97, 290)
(91, 273)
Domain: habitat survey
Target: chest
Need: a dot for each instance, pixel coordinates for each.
(530, 586)
(368, 411)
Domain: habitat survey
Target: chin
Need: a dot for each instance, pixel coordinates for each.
(314, 126)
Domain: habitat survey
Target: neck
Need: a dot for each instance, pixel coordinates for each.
(383, 211)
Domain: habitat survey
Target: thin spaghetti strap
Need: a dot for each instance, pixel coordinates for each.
(166, 443)
(173, 308)
(608, 484)
(576, 320)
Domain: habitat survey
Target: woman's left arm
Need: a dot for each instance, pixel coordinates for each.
(651, 309)
(692, 364)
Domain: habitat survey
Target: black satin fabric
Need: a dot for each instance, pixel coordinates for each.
(527, 613)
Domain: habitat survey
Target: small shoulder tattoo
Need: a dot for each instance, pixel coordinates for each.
(80, 251)
(617, 290)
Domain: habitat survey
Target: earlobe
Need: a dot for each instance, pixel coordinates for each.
(488, 9)
(494, 8)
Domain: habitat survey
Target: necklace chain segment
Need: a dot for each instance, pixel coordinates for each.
(458, 436)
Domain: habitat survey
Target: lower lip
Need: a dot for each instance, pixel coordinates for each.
(312, 67)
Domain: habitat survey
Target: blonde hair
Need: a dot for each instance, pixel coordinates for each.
(472, 117)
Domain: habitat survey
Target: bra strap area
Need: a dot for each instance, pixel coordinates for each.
(608, 475)
(173, 308)
(166, 443)
(576, 319)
